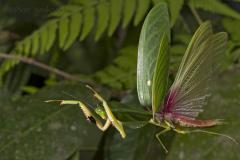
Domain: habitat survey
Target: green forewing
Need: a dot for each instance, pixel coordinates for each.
(155, 24)
(160, 76)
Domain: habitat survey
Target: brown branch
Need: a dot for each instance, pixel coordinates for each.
(33, 62)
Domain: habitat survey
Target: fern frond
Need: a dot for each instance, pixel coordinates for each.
(74, 29)
(175, 7)
(115, 15)
(142, 8)
(121, 74)
(79, 19)
(128, 11)
(232, 26)
(215, 6)
(103, 19)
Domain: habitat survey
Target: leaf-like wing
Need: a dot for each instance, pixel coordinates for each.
(160, 75)
(155, 25)
(189, 91)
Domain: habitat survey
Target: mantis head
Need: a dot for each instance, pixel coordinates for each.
(100, 111)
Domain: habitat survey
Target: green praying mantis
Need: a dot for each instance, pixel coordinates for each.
(185, 98)
(104, 113)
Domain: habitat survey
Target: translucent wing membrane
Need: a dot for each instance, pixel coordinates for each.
(190, 90)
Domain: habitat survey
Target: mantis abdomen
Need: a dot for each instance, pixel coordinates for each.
(191, 122)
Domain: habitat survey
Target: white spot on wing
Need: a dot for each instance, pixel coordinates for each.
(149, 83)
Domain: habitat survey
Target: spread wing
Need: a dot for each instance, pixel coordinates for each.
(189, 92)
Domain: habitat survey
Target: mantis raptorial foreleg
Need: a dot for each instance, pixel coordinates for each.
(117, 124)
(86, 111)
(160, 141)
(105, 114)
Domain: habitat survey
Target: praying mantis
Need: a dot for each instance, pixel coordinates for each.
(105, 113)
(185, 98)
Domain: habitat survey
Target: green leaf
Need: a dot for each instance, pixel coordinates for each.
(142, 7)
(232, 26)
(115, 15)
(35, 42)
(224, 104)
(88, 22)
(63, 31)
(103, 19)
(27, 46)
(131, 115)
(175, 7)
(19, 48)
(83, 2)
(74, 30)
(215, 6)
(6, 65)
(160, 75)
(65, 10)
(30, 89)
(32, 129)
(155, 2)
(140, 144)
(128, 11)
(52, 27)
(155, 25)
(121, 74)
(43, 38)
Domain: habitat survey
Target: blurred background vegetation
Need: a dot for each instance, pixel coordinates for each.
(49, 47)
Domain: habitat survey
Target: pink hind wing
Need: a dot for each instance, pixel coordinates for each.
(189, 92)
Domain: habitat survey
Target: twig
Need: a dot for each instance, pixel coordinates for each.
(195, 14)
(39, 64)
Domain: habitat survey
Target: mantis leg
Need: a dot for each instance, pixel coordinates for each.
(204, 131)
(178, 130)
(117, 124)
(158, 138)
(86, 111)
(106, 125)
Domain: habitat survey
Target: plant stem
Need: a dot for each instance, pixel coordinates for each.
(195, 14)
(33, 62)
